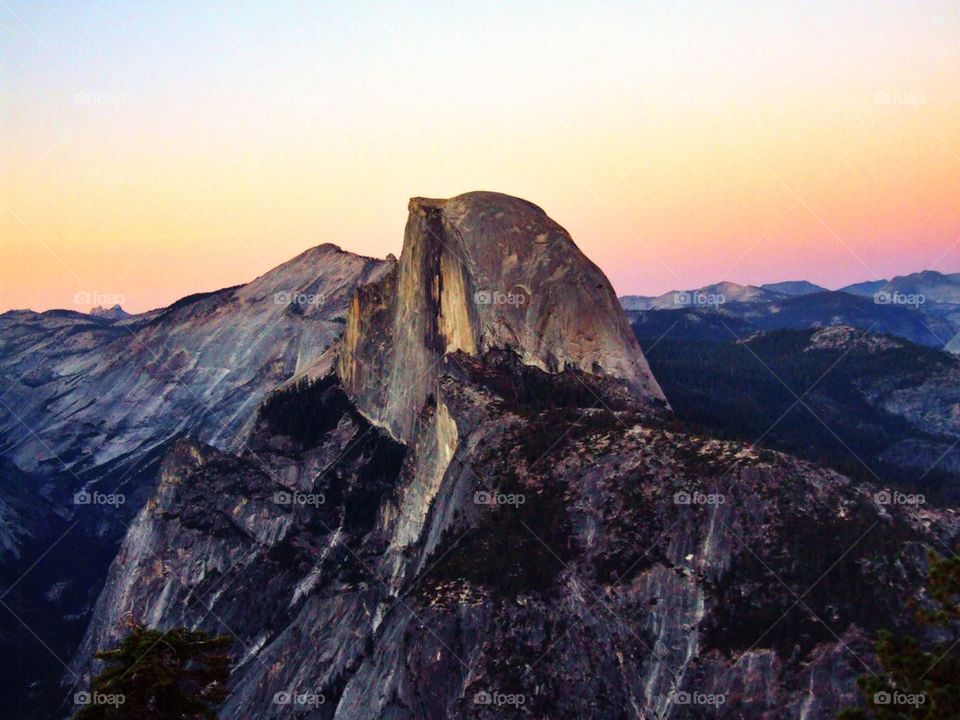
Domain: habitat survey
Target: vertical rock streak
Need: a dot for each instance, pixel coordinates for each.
(482, 271)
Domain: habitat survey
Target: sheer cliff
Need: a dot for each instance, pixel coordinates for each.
(478, 272)
(487, 507)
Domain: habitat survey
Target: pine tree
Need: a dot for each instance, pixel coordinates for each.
(174, 675)
(918, 683)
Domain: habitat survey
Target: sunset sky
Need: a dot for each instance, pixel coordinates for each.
(152, 150)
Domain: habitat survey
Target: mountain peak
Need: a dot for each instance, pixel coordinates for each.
(482, 271)
(475, 198)
(932, 285)
(327, 247)
(317, 251)
(734, 292)
(794, 287)
(112, 313)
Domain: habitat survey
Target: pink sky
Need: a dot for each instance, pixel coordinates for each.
(152, 152)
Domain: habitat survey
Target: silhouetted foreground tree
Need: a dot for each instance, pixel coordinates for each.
(916, 682)
(174, 675)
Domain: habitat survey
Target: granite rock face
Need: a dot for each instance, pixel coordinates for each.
(482, 271)
(525, 548)
(486, 508)
(101, 390)
(24, 514)
(88, 406)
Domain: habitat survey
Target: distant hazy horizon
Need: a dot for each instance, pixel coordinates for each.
(154, 151)
(100, 298)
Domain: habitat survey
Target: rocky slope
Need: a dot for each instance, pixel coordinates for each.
(582, 562)
(88, 406)
(473, 518)
(23, 512)
(100, 390)
(874, 406)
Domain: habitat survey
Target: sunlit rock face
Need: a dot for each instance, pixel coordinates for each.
(481, 506)
(98, 390)
(482, 271)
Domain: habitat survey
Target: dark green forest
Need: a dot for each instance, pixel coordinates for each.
(770, 391)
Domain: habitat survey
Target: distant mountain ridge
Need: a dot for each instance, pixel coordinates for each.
(706, 296)
(936, 286)
(940, 287)
(794, 287)
(922, 307)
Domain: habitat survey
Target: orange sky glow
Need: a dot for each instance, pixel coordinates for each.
(152, 152)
